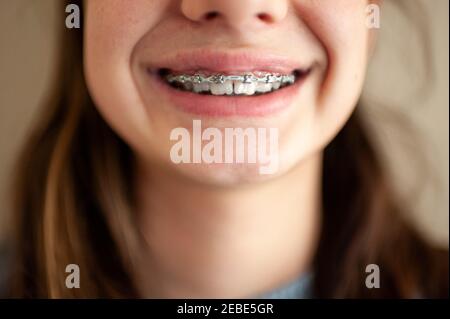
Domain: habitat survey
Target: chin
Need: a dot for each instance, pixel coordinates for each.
(225, 175)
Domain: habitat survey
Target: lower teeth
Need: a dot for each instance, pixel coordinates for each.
(230, 84)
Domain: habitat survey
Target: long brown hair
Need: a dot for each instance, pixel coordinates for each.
(73, 204)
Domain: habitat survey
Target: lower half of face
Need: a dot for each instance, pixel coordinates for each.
(226, 92)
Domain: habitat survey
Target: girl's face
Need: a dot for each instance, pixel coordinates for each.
(134, 48)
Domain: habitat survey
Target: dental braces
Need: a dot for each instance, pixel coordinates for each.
(221, 78)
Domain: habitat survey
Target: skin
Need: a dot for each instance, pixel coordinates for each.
(226, 231)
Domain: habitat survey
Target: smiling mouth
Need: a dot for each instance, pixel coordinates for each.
(241, 84)
(229, 83)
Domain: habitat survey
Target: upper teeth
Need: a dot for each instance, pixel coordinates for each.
(219, 84)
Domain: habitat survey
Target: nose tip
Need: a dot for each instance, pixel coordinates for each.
(236, 13)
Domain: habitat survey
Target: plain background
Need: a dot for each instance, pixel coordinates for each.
(27, 37)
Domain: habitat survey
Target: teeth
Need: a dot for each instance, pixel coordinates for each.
(229, 88)
(248, 84)
(188, 86)
(264, 87)
(222, 89)
(201, 87)
(244, 88)
(276, 85)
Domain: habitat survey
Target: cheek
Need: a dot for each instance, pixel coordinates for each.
(117, 25)
(112, 30)
(340, 25)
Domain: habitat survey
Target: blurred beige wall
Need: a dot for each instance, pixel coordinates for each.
(26, 56)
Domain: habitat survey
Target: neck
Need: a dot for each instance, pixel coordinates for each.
(235, 242)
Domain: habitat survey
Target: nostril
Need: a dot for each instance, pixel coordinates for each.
(265, 17)
(211, 15)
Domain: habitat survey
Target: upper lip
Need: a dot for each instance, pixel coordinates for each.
(227, 62)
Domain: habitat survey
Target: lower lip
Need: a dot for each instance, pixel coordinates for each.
(230, 106)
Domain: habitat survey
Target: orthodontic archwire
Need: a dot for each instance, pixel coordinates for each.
(221, 78)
